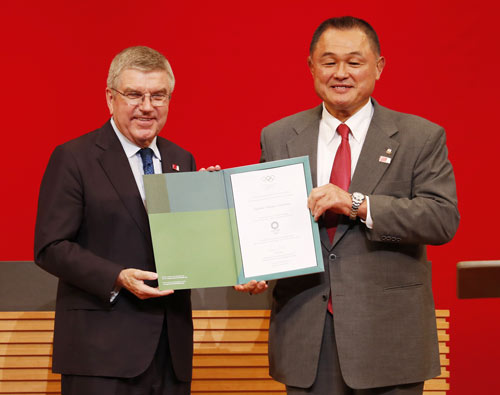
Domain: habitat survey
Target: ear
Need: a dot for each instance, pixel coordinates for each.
(380, 66)
(310, 64)
(109, 100)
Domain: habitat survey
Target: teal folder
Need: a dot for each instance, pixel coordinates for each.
(195, 232)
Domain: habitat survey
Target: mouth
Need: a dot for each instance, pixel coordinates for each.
(145, 121)
(341, 88)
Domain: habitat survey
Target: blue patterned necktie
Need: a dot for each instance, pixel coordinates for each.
(147, 160)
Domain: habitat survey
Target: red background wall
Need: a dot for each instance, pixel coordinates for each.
(242, 65)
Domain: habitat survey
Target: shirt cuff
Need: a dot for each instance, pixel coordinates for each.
(114, 294)
(369, 220)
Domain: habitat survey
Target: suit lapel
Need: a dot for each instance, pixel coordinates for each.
(305, 143)
(117, 168)
(370, 169)
(167, 166)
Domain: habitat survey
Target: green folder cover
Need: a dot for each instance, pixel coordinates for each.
(195, 233)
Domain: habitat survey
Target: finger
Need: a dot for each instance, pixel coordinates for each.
(202, 169)
(145, 275)
(144, 291)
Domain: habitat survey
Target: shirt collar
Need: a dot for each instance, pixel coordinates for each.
(365, 113)
(130, 148)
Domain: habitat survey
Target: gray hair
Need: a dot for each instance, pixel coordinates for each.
(139, 58)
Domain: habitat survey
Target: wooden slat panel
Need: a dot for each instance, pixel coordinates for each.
(230, 336)
(230, 354)
(26, 337)
(231, 313)
(231, 323)
(231, 373)
(445, 374)
(26, 362)
(26, 325)
(221, 386)
(230, 348)
(28, 374)
(443, 313)
(37, 393)
(443, 348)
(442, 323)
(244, 393)
(27, 315)
(443, 336)
(436, 384)
(230, 360)
(29, 386)
(26, 349)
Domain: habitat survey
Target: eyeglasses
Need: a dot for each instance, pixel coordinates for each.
(136, 98)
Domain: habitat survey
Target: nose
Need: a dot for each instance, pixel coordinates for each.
(340, 71)
(146, 103)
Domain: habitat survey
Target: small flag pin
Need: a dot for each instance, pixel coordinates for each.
(384, 159)
(175, 167)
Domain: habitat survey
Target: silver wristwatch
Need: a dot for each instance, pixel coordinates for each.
(357, 199)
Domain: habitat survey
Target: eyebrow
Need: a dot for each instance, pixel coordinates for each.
(334, 54)
(129, 89)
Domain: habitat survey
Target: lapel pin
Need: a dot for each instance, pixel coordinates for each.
(384, 159)
(175, 167)
(388, 151)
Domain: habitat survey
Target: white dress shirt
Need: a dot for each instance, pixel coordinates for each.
(329, 141)
(135, 160)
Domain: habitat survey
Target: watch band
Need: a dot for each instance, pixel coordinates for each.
(357, 199)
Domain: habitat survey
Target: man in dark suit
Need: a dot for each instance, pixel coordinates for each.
(115, 331)
(384, 190)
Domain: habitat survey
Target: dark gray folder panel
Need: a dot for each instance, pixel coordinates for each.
(26, 287)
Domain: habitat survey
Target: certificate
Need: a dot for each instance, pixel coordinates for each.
(224, 228)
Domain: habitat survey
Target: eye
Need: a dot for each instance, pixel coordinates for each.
(354, 63)
(158, 96)
(134, 95)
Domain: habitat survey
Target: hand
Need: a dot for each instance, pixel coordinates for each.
(133, 280)
(211, 168)
(329, 197)
(253, 287)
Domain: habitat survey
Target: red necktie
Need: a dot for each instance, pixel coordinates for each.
(340, 176)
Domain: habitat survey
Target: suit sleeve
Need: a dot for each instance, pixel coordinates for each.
(429, 215)
(60, 216)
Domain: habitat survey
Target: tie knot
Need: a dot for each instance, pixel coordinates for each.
(343, 130)
(146, 154)
(147, 160)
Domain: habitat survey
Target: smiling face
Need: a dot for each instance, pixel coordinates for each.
(142, 122)
(344, 67)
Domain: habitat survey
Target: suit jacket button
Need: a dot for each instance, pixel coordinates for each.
(332, 257)
(325, 297)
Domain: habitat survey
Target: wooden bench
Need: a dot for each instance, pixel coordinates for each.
(230, 348)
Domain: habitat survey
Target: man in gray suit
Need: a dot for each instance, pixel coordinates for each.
(367, 324)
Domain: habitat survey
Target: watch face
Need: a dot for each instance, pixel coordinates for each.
(356, 196)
